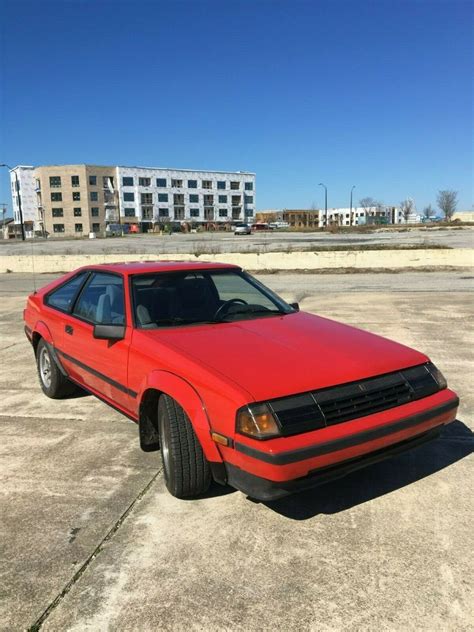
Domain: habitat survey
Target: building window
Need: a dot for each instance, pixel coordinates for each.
(144, 182)
(163, 212)
(129, 197)
(93, 181)
(56, 197)
(249, 199)
(178, 198)
(77, 212)
(108, 182)
(221, 185)
(179, 212)
(162, 197)
(74, 181)
(55, 182)
(249, 186)
(192, 184)
(129, 212)
(78, 228)
(76, 196)
(127, 182)
(194, 198)
(94, 196)
(177, 184)
(222, 199)
(194, 212)
(222, 212)
(208, 200)
(248, 212)
(161, 182)
(235, 186)
(58, 228)
(207, 184)
(96, 228)
(146, 198)
(236, 200)
(58, 212)
(95, 211)
(147, 212)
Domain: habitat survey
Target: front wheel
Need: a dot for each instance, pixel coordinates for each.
(52, 381)
(187, 472)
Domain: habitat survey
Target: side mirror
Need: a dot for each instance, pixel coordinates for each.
(295, 306)
(109, 332)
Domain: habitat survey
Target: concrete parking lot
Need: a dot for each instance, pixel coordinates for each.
(273, 241)
(91, 540)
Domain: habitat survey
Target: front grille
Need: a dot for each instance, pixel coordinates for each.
(335, 405)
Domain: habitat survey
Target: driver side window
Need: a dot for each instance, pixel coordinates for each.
(101, 301)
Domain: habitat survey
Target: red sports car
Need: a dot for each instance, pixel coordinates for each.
(230, 381)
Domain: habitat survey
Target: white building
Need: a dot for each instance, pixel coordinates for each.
(150, 195)
(29, 207)
(362, 216)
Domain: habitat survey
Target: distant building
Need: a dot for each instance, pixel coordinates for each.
(74, 200)
(316, 218)
(463, 216)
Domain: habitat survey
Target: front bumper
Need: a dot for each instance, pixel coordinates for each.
(265, 490)
(303, 461)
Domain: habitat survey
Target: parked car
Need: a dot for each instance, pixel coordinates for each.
(259, 226)
(116, 230)
(279, 224)
(242, 229)
(233, 383)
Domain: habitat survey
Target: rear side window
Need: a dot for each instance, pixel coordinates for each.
(101, 301)
(64, 296)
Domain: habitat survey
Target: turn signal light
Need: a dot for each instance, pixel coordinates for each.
(257, 421)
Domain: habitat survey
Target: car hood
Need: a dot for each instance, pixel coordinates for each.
(275, 356)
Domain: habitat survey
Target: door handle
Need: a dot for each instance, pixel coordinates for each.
(69, 329)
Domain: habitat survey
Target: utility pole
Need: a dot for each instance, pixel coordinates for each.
(350, 212)
(325, 202)
(18, 197)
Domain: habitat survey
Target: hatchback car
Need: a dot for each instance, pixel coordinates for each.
(229, 380)
(242, 229)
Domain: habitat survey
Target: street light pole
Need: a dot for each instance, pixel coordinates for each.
(350, 212)
(325, 202)
(18, 197)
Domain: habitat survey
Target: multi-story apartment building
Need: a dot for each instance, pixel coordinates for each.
(150, 196)
(316, 218)
(65, 200)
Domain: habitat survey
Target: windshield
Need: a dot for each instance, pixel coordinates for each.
(188, 298)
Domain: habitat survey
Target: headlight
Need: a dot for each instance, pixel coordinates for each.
(437, 375)
(257, 421)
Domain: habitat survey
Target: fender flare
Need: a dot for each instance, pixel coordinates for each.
(41, 329)
(190, 401)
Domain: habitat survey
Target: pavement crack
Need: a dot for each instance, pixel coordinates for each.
(75, 578)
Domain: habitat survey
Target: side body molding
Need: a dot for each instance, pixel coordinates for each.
(188, 398)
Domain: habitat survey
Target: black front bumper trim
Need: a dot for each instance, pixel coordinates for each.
(265, 490)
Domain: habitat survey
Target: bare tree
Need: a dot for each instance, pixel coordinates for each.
(368, 204)
(428, 212)
(447, 202)
(406, 207)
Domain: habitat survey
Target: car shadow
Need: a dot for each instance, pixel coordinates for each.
(455, 443)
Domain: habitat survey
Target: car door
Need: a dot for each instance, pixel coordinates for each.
(100, 365)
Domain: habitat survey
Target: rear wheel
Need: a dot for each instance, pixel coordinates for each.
(52, 381)
(187, 472)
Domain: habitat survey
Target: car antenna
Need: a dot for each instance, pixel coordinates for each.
(33, 262)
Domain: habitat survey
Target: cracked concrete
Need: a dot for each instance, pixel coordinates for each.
(387, 548)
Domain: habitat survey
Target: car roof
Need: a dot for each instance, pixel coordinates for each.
(144, 267)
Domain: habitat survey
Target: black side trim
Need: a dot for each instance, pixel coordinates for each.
(29, 333)
(101, 376)
(102, 399)
(283, 458)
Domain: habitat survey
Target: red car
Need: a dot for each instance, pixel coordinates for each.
(233, 383)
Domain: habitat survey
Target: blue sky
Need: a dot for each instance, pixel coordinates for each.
(376, 94)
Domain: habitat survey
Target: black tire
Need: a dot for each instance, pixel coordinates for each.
(187, 472)
(52, 381)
